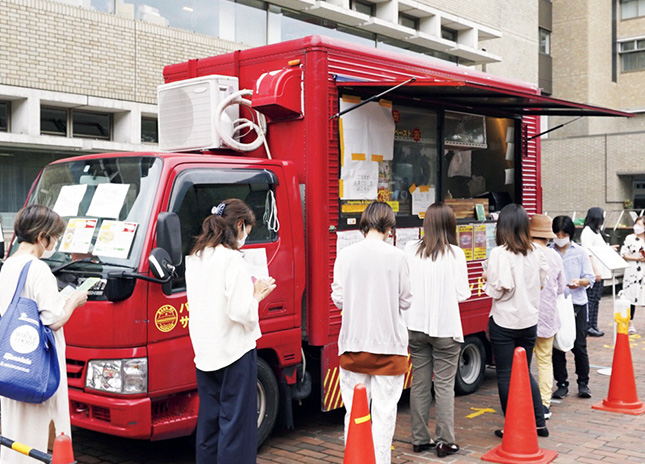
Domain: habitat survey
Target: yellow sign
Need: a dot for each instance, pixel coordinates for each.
(166, 318)
(358, 206)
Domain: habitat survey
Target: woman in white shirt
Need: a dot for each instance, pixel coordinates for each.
(371, 286)
(591, 237)
(633, 251)
(224, 327)
(38, 229)
(516, 273)
(439, 281)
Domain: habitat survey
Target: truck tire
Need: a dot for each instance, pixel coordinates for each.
(471, 367)
(268, 400)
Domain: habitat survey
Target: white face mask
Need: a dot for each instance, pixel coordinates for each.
(48, 253)
(561, 242)
(241, 241)
(639, 229)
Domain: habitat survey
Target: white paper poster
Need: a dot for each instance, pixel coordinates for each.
(256, 258)
(422, 197)
(359, 180)
(368, 130)
(345, 238)
(78, 235)
(108, 200)
(403, 236)
(115, 239)
(69, 198)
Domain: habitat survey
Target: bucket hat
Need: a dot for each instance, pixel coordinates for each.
(540, 225)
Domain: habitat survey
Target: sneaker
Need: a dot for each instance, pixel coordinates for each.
(547, 412)
(583, 391)
(562, 391)
(593, 332)
(632, 329)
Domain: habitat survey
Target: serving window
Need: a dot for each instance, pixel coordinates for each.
(413, 156)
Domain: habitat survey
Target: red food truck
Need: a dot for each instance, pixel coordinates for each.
(307, 132)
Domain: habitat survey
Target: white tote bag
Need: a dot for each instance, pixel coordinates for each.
(565, 337)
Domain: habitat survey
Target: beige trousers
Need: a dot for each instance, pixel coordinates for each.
(544, 357)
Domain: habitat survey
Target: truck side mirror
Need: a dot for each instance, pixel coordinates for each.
(160, 264)
(169, 236)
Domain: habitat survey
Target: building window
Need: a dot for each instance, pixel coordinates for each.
(632, 8)
(149, 130)
(449, 34)
(53, 121)
(632, 55)
(362, 7)
(71, 123)
(4, 116)
(92, 125)
(545, 42)
(409, 21)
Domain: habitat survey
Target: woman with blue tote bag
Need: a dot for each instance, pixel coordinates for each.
(37, 229)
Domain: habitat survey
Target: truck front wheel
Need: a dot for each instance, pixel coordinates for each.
(472, 366)
(268, 400)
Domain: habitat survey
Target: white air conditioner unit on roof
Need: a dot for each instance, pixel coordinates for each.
(187, 112)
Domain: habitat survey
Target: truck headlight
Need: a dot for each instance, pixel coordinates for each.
(129, 376)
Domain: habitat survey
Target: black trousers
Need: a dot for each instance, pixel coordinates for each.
(503, 342)
(227, 421)
(579, 351)
(594, 294)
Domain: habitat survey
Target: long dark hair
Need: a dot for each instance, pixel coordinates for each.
(595, 218)
(513, 230)
(221, 227)
(439, 231)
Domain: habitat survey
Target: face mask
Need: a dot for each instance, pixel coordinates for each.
(241, 241)
(48, 253)
(561, 242)
(638, 229)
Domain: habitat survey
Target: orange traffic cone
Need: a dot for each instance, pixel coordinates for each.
(520, 442)
(622, 396)
(359, 448)
(63, 452)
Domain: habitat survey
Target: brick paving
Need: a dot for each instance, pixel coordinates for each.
(578, 433)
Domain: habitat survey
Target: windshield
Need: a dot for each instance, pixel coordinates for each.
(106, 204)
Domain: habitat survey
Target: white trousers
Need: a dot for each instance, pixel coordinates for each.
(383, 394)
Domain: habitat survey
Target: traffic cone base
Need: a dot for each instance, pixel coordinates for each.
(497, 454)
(635, 409)
(520, 442)
(622, 396)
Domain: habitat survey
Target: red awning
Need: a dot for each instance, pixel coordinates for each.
(476, 97)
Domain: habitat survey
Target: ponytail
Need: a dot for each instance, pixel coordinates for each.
(221, 226)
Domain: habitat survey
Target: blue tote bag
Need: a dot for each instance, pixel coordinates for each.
(29, 369)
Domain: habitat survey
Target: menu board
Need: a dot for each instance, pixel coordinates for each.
(77, 237)
(465, 237)
(115, 239)
(479, 240)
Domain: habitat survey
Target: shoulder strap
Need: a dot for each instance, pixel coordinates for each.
(21, 281)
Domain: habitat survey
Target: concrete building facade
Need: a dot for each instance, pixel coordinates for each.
(598, 51)
(80, 76)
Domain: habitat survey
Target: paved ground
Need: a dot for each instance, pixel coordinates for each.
(578, 433)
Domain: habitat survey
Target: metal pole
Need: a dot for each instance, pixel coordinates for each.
(26, 450)
(358, 105)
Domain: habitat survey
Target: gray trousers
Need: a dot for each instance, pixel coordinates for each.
(441, 356)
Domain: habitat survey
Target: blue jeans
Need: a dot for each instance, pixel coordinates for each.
(503, 342)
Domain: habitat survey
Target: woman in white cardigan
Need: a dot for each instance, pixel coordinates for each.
(439, 281)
